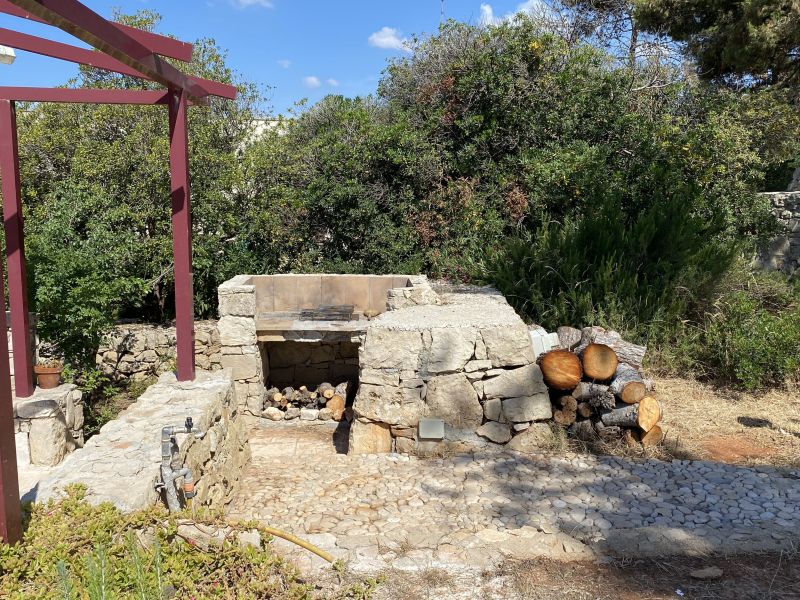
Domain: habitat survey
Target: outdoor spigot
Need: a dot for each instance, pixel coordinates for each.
(189, 424)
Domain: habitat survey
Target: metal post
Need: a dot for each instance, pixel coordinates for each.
(181, 232)
(15, 251)
(10, 509)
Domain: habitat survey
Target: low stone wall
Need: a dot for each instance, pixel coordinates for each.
(783, 253)
(138, 351)
(465, 360)
(48, 425)
(121, 464)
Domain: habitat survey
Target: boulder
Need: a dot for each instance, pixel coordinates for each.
(528, 408)
(513, 383)
(451, 348)
(534, 438)
(495, 432)
(453, 399)
(367, 437)
(273, 414)
(48, 441)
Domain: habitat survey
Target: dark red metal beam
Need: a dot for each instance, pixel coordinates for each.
(10, 509)
(92, 58)
(84, 95)
(181, 232)
(158, 44)
(15, 251)
(85, 24)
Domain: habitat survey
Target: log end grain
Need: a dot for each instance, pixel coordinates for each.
(561, 369)
(599, 362)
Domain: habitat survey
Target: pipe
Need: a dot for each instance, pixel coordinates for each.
(293, 539)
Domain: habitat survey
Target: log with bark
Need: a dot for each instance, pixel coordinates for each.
(645, 415)
(567, 414)
(605, 401)
(326, 390)
(568, 337)
(561, 369)
(628, 384)
(627, 352)
(342, 389)
(583, 430)
(586, 390)
(599, 362)
(585, 410)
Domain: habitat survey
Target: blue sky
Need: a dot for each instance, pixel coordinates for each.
(300, 48)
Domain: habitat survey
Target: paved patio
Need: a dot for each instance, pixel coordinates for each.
(472, 509)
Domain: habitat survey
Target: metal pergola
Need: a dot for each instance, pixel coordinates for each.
(120, 49)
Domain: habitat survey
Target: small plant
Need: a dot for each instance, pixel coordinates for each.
(50, 363)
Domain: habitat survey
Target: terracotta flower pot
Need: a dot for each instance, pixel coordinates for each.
(48, 377)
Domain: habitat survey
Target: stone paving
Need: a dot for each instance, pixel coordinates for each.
(392, 510)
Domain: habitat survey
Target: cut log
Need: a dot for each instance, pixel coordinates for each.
(288, 394)
(608, 433)
(326, 390)
(561, 369)
(645, 415)
(585, 410)
(599, 362)
(653, 437)
(628, 384)
(605, 401)
(586, 390)
(583, 430)
(274, 395)
(568, 337)
(337, 406)
(568, 403)
(627, 352)
(564, 416)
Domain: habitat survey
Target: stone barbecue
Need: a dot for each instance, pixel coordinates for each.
(432, 365)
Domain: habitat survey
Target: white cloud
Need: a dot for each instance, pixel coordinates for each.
(487, 15)
(285, 63)
(332, 82)
(249, 3)
(312, 82)
(531, 7)
(389, 38)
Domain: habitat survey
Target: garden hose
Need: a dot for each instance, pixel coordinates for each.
(296, 540)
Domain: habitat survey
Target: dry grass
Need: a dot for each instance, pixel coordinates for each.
(704, 422)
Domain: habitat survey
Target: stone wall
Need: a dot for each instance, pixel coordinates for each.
(48, 425)
(783, 253)
(466, 360)
(121, 464)
(138, 351)
(309, 364)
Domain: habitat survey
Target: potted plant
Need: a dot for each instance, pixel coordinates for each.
(48, 373)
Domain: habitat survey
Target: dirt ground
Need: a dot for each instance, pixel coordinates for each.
(703, 422)
(767, 576)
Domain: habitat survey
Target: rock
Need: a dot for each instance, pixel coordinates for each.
(48, 441)
(250, 538)
(405, 445)
(335, 406)
(393, 405)
(514, 383)
(534, 438)
(706, 573)
(391, 349)
(387, 377)
(508, 346)
(521, 426)
(36, 409)
(369, 438)
(453, 399)
(528, 408)
(237, 331)
(23, 450)
(326, 414)
(494, 431)
(244, 366)
(309, 414)
(493, 409)
(451, 348)
(292, 413)
(273, 414)
(477, 365)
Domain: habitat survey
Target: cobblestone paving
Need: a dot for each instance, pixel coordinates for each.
(404, 512)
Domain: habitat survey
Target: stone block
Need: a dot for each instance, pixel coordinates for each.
(309, 414)
(478, 365)
(243, 366)
(451, 348)
(37, 409)
(322, 354)
(392, 405)
(453, 399)
(528, 408)
(405, 445)
(512, 383)
(383, 377)
(535, 437)
(508, 346)
(495, 432)
(48, 441)
(273, 414)
(367, 437)
(237, 304)
(493, 409)
(391, 349)
(237, 331)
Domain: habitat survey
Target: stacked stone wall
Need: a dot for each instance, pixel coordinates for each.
(138, 351)
(783, 253)
(48, 425)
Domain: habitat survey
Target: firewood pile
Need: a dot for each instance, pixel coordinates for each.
(597, 388)
(325, 396)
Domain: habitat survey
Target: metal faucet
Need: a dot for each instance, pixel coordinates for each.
(169, 450)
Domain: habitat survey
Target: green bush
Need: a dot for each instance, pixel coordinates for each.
(73, 550)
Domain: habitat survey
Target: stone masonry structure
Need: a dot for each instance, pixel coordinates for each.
(121, 463)
(466, 358)
(48, 425)
(138, 350)
(783, 252)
